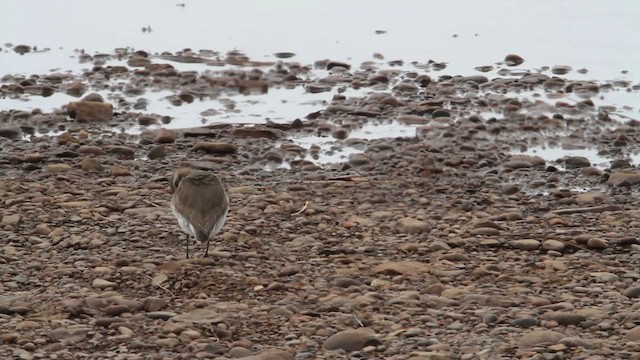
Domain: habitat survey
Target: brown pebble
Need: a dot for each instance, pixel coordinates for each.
(513, 60)
(157, 152)
(165, 136)
(119, 171)
(215, 147)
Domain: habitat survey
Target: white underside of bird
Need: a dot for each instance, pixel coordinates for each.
(186, 226)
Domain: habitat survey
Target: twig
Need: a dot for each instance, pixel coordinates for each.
(358, 320)
(159, 285)
(213, 332)
(306, 203)
(153, 204)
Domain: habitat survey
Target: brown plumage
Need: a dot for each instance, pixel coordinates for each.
(200, 204)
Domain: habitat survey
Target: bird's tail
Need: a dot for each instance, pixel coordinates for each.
(201, 237)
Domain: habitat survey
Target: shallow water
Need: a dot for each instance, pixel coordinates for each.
(598, 36)
(554, 155)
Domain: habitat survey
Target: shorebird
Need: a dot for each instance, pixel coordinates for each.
(200, 204)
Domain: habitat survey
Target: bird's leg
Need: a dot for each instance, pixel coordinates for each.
(187, 247)
(206, 251)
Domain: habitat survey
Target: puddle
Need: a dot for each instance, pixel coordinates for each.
(553, 154)
(336, 151)
(278, 105)
(331, 150)
(625, 103)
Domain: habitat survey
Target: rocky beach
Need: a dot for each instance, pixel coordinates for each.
(413, 213)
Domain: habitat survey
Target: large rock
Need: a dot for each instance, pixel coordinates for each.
(90, 111)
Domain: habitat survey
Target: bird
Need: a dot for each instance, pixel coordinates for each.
(199, 203)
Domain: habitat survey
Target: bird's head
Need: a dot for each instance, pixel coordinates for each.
(178, 175)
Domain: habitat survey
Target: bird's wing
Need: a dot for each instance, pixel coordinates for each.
(202, 204)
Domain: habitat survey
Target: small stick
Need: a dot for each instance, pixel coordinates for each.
(213, 332)
(306, 203)
(358, 320)
(153, 204)
(159, 285)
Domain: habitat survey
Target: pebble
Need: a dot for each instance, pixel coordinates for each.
(90, 164)
(359, 159)
(525, 322)
(167, 342)
(10, 132)
(125, 331)
(485, 231)
(634, 334)
(525, 244)
(157, 152)
(68, 336)
(352, 340)
(119, 171)
(153, 304)
(239, 352)
(553, 245)
(606, 277)
(622, 178)
(540, 337)
(58, 168)
(11, 220)
(633, 292)
(411, 226)
(165, 136)
(115, 310)
(215, 147)
(513, 60)
(271, 354)
(564, 319)
(162, 315)
(104, 284)
(90, 111)
(598, 244)
(401, 268)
